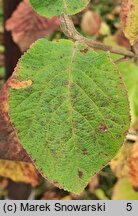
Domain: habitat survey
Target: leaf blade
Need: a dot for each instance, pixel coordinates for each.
(50, 8)
(74, 109)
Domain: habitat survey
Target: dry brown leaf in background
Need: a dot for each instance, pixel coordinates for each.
(91, 22)
(83, 196)
(129, 19)
(67, 198)
(133, 166)
(135, 47)
(93, 184)
(27, 26)
(52, 195)
(119, 164)
(10, 147)
(19, 172)
(125, 164)
(122, 40)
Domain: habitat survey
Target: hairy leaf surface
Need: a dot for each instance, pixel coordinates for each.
(51, 8)
(70, 110)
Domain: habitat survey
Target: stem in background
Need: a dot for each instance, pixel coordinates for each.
(121, 60)
(69, 30)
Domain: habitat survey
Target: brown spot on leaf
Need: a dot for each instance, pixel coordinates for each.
(16, 84)
(132, 6)
(80, 174)
(67, 82)
(84, 50)
(120, 77)
(84, 151)
(53, 152)
(103, 128)
(46, 143)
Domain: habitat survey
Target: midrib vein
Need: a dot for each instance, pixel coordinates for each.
(69, 85)
(65, 4)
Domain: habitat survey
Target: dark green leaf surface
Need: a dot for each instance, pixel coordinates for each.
(70, 110)
(51, 8)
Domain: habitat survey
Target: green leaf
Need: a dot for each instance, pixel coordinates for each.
(129, 19)
(129, 71)
(70, 110)
(51, 8)
(1, 71)
(124, 191)
(100, 194)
